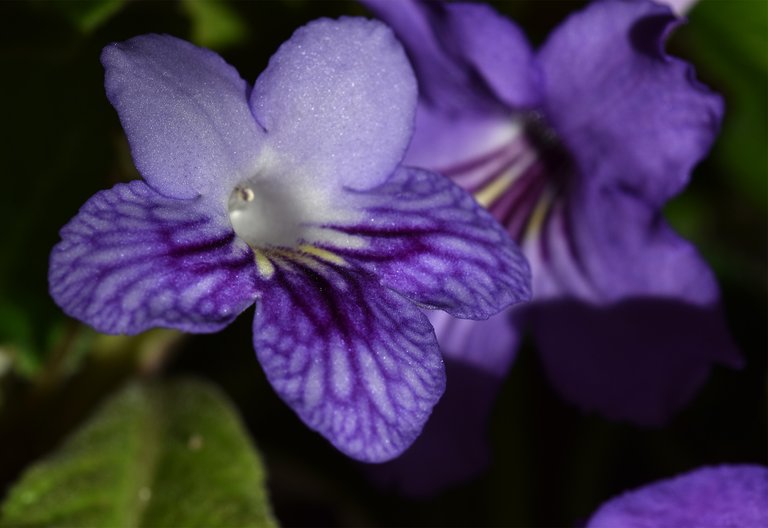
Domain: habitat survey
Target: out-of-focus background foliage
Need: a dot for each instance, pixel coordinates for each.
(551, 464)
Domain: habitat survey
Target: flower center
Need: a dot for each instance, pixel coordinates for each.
(264, 215)
(519, 179)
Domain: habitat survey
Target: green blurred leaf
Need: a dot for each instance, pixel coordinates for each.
(16, 339)
(86, 15)
(214, 23)
(730, 43)
(154, 455)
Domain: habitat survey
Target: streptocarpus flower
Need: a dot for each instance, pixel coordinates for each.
(289, 194)
(715, 497)
(576, 148)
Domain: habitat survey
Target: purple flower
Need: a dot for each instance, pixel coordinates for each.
(576, 148)
(715, 497)
(289, 194)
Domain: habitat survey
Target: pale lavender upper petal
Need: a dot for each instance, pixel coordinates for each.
(338, 101)
(132, 259)
(631, 116)
(727, 496)
(186, 115)
(427, 239)
(356, 361)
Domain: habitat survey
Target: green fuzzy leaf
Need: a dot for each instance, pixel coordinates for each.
(154, 455)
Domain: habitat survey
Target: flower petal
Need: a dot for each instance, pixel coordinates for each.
(490, 45)
(185, 113)
(636, 307)
(489, 345)
(429, 240)
(443, 82)
(720, 496)
(132, 259)
(605, 244)
(640, 360)
(630, 115)
(467, 57)
(356, 361)
(454, 445)
(337, 100)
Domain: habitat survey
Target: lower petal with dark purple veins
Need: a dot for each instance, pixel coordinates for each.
(426, 238)
(132, 259)
(356, 361)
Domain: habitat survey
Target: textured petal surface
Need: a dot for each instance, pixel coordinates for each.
(640, 360)
(429, 240)
(357, 362)
(185, 113)
(132, 259)
(715, 497)
(629, 114)
(337, 100)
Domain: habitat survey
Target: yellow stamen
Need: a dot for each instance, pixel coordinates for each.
(263, 264)
(323, 254)
(496, 187)
(540, 212)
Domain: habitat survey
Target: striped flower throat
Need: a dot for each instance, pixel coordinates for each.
(518, 178)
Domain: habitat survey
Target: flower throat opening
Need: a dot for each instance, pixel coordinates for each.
(263, 215)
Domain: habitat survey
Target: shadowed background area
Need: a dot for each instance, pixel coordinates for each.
(548, 463)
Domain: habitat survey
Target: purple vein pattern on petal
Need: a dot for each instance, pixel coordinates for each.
(338, 100)
(132, 260)
(715, 497)
(630, 115)
(357, 362)
(185, 112)
(429, 240)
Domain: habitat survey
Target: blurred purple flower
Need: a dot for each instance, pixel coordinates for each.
(575, 148)
(715, 497)
(290, 194)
